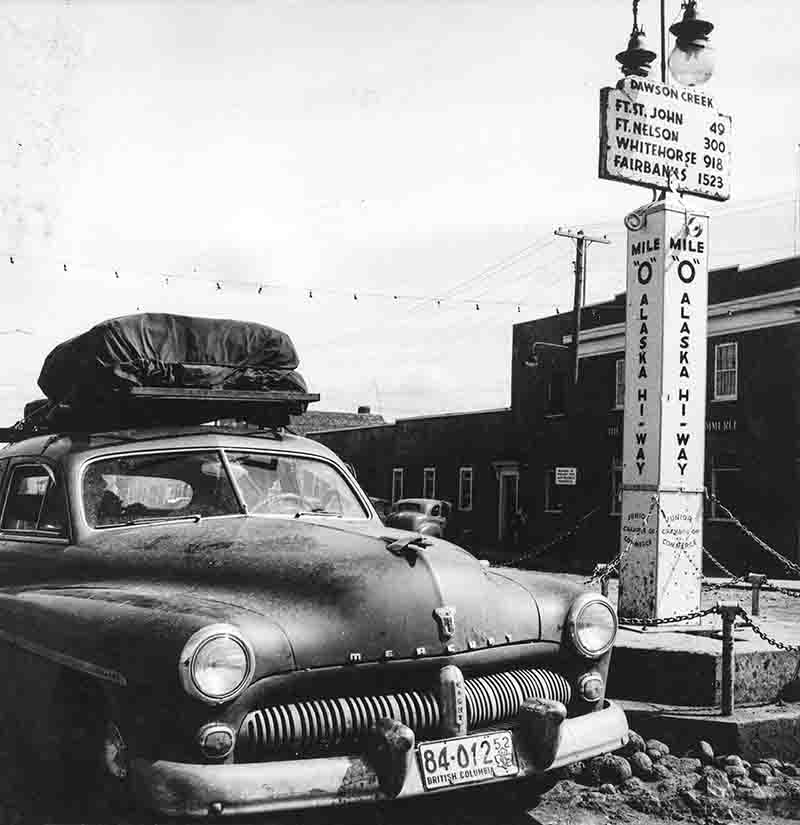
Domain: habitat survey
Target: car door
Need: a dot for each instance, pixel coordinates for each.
(34, 525)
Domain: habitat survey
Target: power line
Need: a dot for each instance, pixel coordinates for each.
(500, 266)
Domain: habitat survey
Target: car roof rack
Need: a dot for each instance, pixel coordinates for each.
(143, 407)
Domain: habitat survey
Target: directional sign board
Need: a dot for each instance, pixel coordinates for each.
(665, 137)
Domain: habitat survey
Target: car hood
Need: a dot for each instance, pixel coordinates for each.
(338, 591)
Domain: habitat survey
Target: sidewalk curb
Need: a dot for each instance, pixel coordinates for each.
(752, 732)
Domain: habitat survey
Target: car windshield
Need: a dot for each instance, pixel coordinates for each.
(273, 484)
(158, 486)
(128, 489)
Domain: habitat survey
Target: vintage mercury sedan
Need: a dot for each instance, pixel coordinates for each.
(215, 622)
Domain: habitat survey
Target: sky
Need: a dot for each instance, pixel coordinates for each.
(389, 174)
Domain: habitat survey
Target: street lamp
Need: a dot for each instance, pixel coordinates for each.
(692, 60)
(636, 59)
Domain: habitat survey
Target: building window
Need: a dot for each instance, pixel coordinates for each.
(465, 488)
(557, 393)
(397, 484)
(726, 371)
(616, 488)
(553, 502)
(725, 487)
(429, 482)
(619, 384)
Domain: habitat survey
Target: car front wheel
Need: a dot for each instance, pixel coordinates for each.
(94, 755)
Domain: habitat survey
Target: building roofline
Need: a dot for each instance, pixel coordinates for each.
(452, 414)
(355, 427)
(618, 298)
(724, 308)
(758, 266)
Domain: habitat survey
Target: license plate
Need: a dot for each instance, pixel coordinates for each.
(467, 759)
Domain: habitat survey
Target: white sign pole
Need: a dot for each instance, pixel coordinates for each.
(664, 423)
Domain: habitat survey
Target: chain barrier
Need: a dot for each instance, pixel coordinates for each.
(721, 585)
(684, 617)
(789, 565)
(698, 614)
(776, 588)
(603, 574)
(767, 638)
(545, 548)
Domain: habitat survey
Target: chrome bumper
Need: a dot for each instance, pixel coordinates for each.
(183, 789)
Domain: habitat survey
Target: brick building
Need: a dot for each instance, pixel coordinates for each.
(490, 463)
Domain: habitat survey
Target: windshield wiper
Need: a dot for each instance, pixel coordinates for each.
(317, 512)
(151, 519)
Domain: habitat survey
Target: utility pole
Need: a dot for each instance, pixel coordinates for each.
(582, 241)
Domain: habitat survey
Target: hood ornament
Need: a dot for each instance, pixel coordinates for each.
(446, 620)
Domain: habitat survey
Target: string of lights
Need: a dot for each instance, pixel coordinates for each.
(219, 283)
(488, 296)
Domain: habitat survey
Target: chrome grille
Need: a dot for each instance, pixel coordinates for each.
(305, 725)
(499, 696)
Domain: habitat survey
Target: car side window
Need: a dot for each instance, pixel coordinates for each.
(34, 502)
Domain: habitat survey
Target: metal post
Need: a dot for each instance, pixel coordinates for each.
(728, 611)
(663, 44)
(600, 570)
(757, 580)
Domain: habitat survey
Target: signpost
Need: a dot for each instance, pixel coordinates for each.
(664, 430)
(668, 137)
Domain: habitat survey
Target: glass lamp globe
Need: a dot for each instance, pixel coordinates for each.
(692, 64)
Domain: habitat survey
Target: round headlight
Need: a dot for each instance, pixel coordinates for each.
(216, 664)
(592, 625)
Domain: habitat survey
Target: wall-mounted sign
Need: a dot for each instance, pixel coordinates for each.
(667, 137)
(721, 425)
(566, 476)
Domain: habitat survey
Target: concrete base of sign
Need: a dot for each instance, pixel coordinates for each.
(684, 667)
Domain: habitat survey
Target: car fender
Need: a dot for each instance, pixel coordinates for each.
(128, 634)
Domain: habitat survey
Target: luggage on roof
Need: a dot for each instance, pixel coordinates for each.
(160, 350)
(156, 368)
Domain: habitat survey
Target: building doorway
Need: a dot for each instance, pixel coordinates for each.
(508, 500)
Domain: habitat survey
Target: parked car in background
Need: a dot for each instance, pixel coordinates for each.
(382, 507)
(429, 516)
